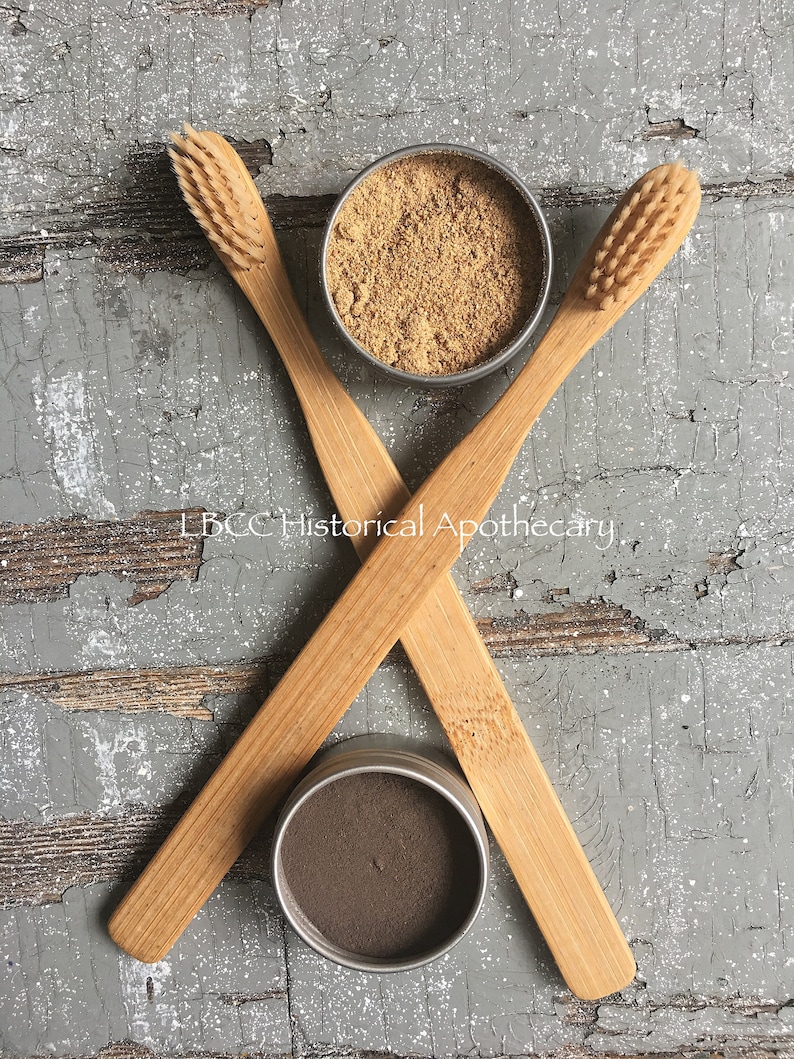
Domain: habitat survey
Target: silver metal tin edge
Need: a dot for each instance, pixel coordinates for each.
(479, 371)
(380, 754)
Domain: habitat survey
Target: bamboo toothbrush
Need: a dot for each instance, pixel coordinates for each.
(441, 640)
(638, 239)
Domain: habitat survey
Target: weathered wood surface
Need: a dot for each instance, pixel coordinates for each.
(41, 861)
(179, 689)
(650, 658)
(152, 550)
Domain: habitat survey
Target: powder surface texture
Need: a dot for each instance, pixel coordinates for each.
(435, 263)
(382, 865)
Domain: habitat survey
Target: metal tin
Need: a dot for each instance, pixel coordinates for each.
(379, 753)
(479, 371)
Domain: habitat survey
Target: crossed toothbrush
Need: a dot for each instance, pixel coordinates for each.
(404, 586)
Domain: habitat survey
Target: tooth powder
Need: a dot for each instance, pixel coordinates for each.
(383, 866)
(435, 263)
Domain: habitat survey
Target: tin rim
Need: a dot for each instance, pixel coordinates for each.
(390, 754)
(479, 371)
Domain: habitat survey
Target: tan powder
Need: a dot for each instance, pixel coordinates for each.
(435, 263)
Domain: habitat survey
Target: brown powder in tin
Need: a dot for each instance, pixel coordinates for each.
(382, 865)
(435, 263)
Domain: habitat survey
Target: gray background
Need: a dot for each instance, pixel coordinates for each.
(135, 378)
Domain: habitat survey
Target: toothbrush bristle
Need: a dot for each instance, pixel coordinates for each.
(224, 202)
(656, 210)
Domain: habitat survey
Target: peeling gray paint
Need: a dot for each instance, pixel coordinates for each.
(125, 389)
(558, 91)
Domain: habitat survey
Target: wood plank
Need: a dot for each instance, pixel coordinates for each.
(578, 628)
(132, 1050)
(680, 774)
(213, 8)
(147, 227)
(588, 628)
(39, 862)
(177, 690)
(141, 224)
(38, 562)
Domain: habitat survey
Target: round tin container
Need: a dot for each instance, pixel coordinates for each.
(398, 756)
(479, 371)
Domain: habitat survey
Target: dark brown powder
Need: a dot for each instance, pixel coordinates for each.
(435, 263)
(382, 865)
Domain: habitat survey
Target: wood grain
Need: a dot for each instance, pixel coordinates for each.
(21, 262)
(178, 690)
(39, 561)
(212, 8)
(569, 89)
(577, 628)
(40, 861)
(143, 225)
(140, 224)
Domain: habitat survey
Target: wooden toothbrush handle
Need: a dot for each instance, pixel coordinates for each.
(301, 712)
(462, 683)
(458, 674)
(517, 798)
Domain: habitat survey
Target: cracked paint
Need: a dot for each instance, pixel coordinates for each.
(65, 415)
(134, 378)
